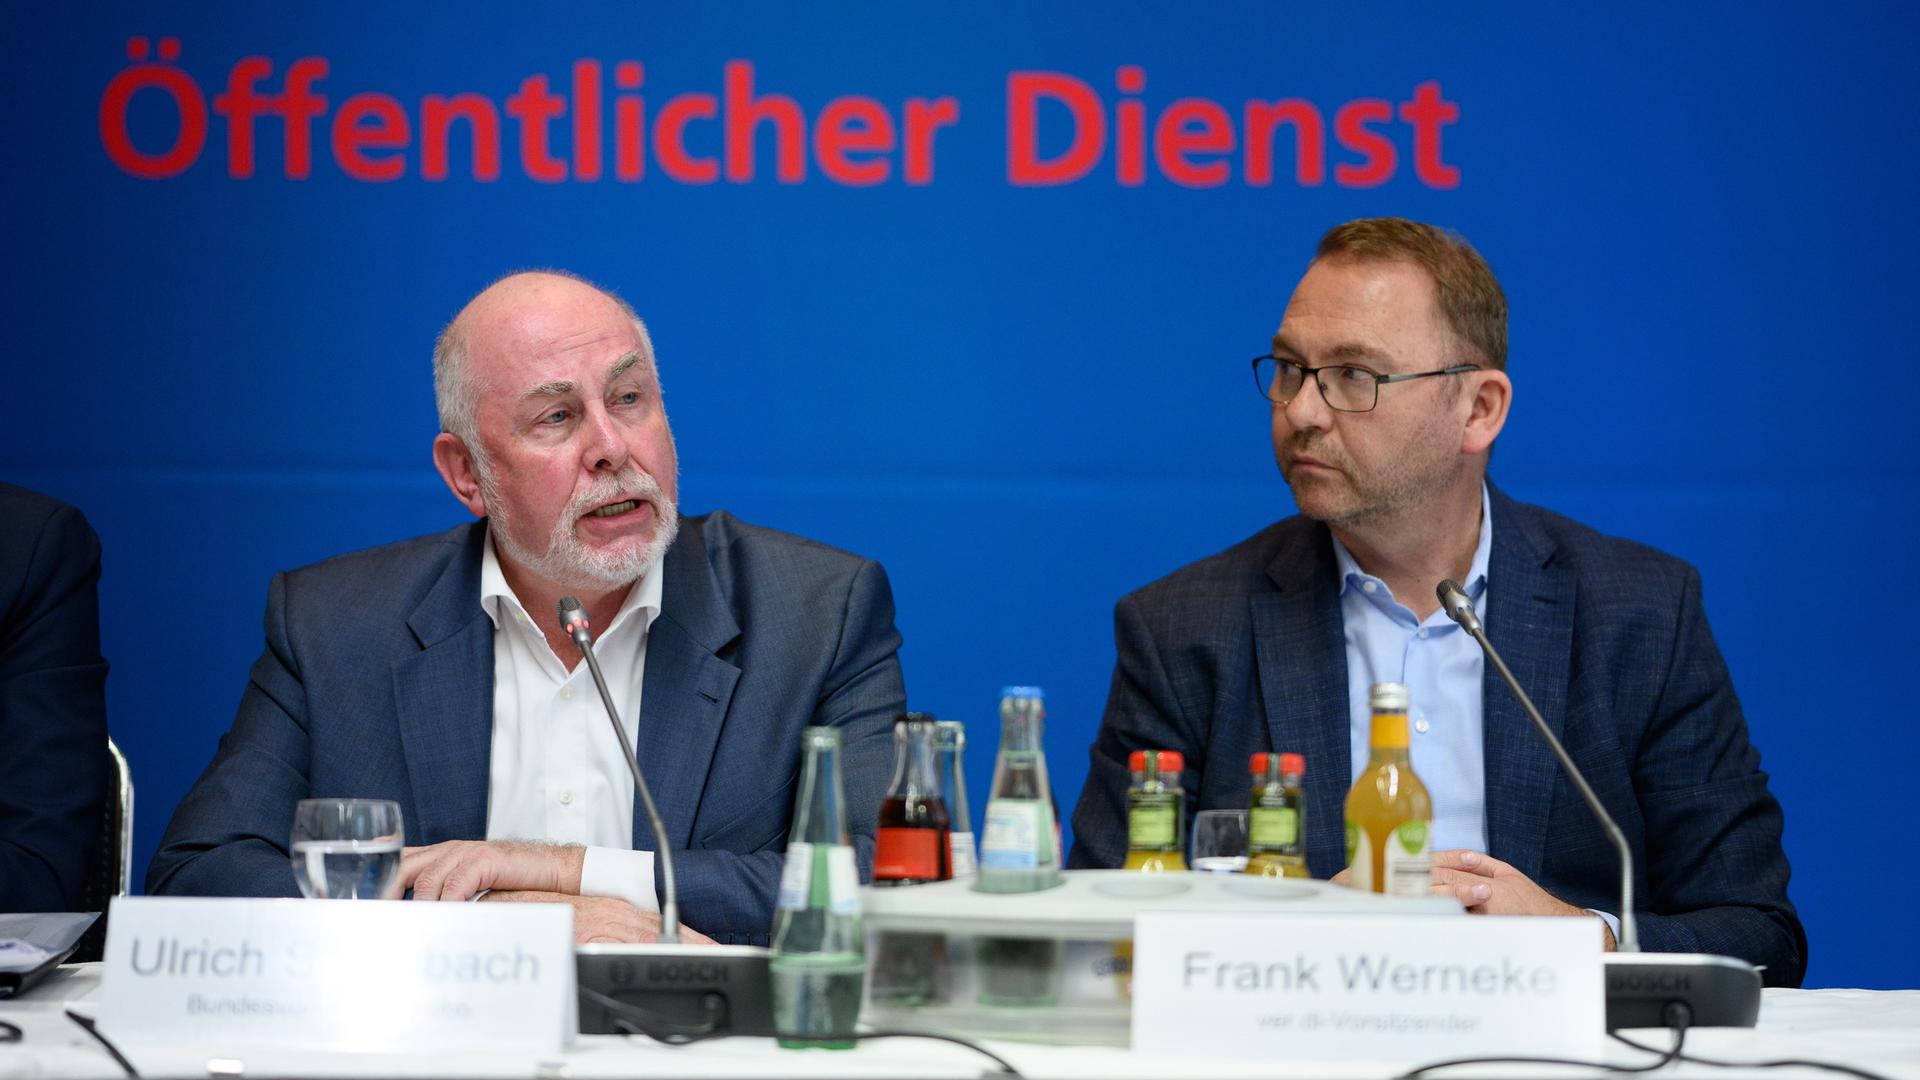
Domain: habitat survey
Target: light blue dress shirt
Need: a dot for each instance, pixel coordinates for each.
(1441, 666)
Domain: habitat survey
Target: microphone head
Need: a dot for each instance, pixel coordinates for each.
(573, 617)
(1453, 600)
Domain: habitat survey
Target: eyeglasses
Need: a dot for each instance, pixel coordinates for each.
(1344, 387)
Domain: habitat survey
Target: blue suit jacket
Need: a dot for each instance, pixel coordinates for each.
(1246, 651)
(377, 682)
(53, 704)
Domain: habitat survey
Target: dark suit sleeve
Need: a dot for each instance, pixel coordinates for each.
(53, 719)
(1142, 712)
(730, 896)
(229, 835)
(1715, 870)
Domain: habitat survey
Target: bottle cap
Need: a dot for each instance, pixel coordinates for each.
(1293, 763)
(1389, 697)
(1023, 691)
(1258, 763)
(1169, 761)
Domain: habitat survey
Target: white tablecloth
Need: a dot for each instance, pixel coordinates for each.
(1874, 1030)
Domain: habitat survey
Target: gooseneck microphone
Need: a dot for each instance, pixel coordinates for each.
(1458, 608)
(1641, 988)
(573, 619)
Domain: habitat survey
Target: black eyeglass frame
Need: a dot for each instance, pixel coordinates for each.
(1378, 378)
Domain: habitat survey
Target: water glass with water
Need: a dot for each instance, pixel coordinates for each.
(1220, 841)
(347, 849)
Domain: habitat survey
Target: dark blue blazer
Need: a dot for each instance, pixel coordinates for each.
(1245, 651)
(377, 682)
(53, 703)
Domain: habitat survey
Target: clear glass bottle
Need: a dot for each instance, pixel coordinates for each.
(819, 949)
(950, 751)
(1276, 816)
(1020, 853)
(1020, 846)
(1389, 813)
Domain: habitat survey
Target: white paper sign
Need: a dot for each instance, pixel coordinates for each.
(1395, 989)
(339, 975)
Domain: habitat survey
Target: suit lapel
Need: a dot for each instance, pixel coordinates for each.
(443, 695)
(1300, 651)
(685, 692)
(1529, 618)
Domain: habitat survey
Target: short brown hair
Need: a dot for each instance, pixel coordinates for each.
(1469, 295)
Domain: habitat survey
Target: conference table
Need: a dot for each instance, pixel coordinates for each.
(1874, 1031)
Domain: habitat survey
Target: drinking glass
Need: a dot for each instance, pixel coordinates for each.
(347, 849)
(1220, 841)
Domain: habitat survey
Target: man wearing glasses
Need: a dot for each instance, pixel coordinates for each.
(1388, 387)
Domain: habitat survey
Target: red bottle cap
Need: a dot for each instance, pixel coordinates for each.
(1293, 763)
(1169, 761)
(1258, 763)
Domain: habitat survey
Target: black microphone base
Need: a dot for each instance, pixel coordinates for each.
(675, 990)
(1718, 991)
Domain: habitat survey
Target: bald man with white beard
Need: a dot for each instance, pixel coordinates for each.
(433, 672)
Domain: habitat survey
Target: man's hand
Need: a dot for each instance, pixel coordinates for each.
(602, 919)
(1486, 886)
(460, 869)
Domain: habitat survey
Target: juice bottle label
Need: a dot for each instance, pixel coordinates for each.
(1273, 827)
(1012, 838)
(1150, 826)
(1408, 866)
(906, 854)
(1359, 859)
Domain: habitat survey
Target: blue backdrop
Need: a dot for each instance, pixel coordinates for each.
(942, 327)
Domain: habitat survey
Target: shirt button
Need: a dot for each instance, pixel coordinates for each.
(566, 798)
(1421, 725)
(1423, 633)
(1370, 586)
(566, 694)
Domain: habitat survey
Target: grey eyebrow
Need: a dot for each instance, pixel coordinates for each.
(552, 388)
(621, 365)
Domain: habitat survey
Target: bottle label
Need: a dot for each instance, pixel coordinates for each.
(1273, 827)
(906, 854)
(822, 876)
(1150, 827)
(1408, 866)
(1013, 835)
(1359, 859)
(796, 878)
(961, 852)
(843, 881)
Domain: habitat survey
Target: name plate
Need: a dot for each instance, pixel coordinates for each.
(1403, 990)
(339, 975)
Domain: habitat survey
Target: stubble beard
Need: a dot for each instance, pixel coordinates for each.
(1355, 501)
(567, 561)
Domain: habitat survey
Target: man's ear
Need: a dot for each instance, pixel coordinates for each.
(456, 466)
(1492, 395)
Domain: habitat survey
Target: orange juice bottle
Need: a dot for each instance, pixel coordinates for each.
(1389, 814)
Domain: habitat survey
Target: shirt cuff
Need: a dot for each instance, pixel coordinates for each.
(616, 872)
(1613, 921)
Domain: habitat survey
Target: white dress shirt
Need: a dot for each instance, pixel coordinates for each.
(558, 774)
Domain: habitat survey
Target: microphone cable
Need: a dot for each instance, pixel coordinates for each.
(1679, 1018)
(1781, 1063)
